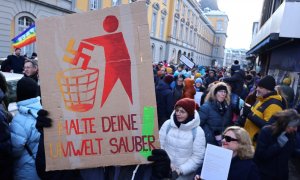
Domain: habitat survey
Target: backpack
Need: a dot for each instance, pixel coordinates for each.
(194, 130)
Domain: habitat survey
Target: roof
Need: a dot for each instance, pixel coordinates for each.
(215, 13)
(211, 4)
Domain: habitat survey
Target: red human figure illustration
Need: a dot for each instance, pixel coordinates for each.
(118, 64)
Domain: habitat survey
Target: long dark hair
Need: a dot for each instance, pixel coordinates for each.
(3, 84)
(282, 119)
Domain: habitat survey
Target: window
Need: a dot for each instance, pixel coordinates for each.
(193, 19)
(183, 10)
(219, 25)
(276, 5)
(186, 34)
(191, 37)
(181, 31)
(217, 39)
(94, 4)
(116, 2)
(153, 24)
(161, 54)
(177, 4)
(175, 28)
(162, 27)
(153, 52)
(23, 23)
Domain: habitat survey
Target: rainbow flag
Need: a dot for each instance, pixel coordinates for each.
(28, 36)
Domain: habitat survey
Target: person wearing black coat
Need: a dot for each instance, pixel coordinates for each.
(16, 61)
(235, 67)
(164, 99)
(5, 138)
(236, 82)
(44, 122)
(216, 113)
(5, 148)
(178, 89)
(275, 145)
(211, 78)
(242, 166)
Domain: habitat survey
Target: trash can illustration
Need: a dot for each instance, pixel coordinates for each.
(78, 88)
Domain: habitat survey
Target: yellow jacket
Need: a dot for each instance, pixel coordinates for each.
(261, 113)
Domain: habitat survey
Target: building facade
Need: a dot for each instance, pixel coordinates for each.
(17, 15)
(189, 33)
(231, 55)
(219, 21)
(177, 27)
(276, 45)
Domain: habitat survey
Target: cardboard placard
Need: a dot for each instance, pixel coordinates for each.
(187, 61)
(97, 82)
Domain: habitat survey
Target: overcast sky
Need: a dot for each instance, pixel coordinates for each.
(241, 14)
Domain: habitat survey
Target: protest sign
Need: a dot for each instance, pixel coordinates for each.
(187, 62)
(97, 82)
(197, 98)
(216, 163)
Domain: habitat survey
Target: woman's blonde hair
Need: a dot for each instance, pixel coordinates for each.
(211, 94)
(245, 148)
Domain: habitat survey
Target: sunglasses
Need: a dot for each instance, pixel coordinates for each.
(229, 139)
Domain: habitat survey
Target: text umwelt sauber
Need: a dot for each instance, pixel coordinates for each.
(93, 146)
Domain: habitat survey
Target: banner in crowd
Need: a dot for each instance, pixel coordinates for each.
(187, 61)
(25, 38)
(97, 82)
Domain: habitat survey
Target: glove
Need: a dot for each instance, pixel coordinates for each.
(43, 120)
(161, 164)
(175, 175)
(282, 139)
(246, 110)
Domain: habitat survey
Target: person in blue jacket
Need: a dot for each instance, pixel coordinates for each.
(24, 136)
(275, 145)
(216, 113)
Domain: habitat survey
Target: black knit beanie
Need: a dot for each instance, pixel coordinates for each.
(220, 87)
(268, 82)
(26, 88)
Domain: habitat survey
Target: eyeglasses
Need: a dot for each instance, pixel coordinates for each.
(228, 138)
(222, 91)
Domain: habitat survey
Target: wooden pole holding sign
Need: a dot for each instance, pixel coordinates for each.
(97, 84)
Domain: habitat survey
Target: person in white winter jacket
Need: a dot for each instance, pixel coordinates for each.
(183, 139)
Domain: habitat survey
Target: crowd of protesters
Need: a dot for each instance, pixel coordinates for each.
(238, 109)
(231, 108)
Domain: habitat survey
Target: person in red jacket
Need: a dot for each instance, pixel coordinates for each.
(189, 90)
